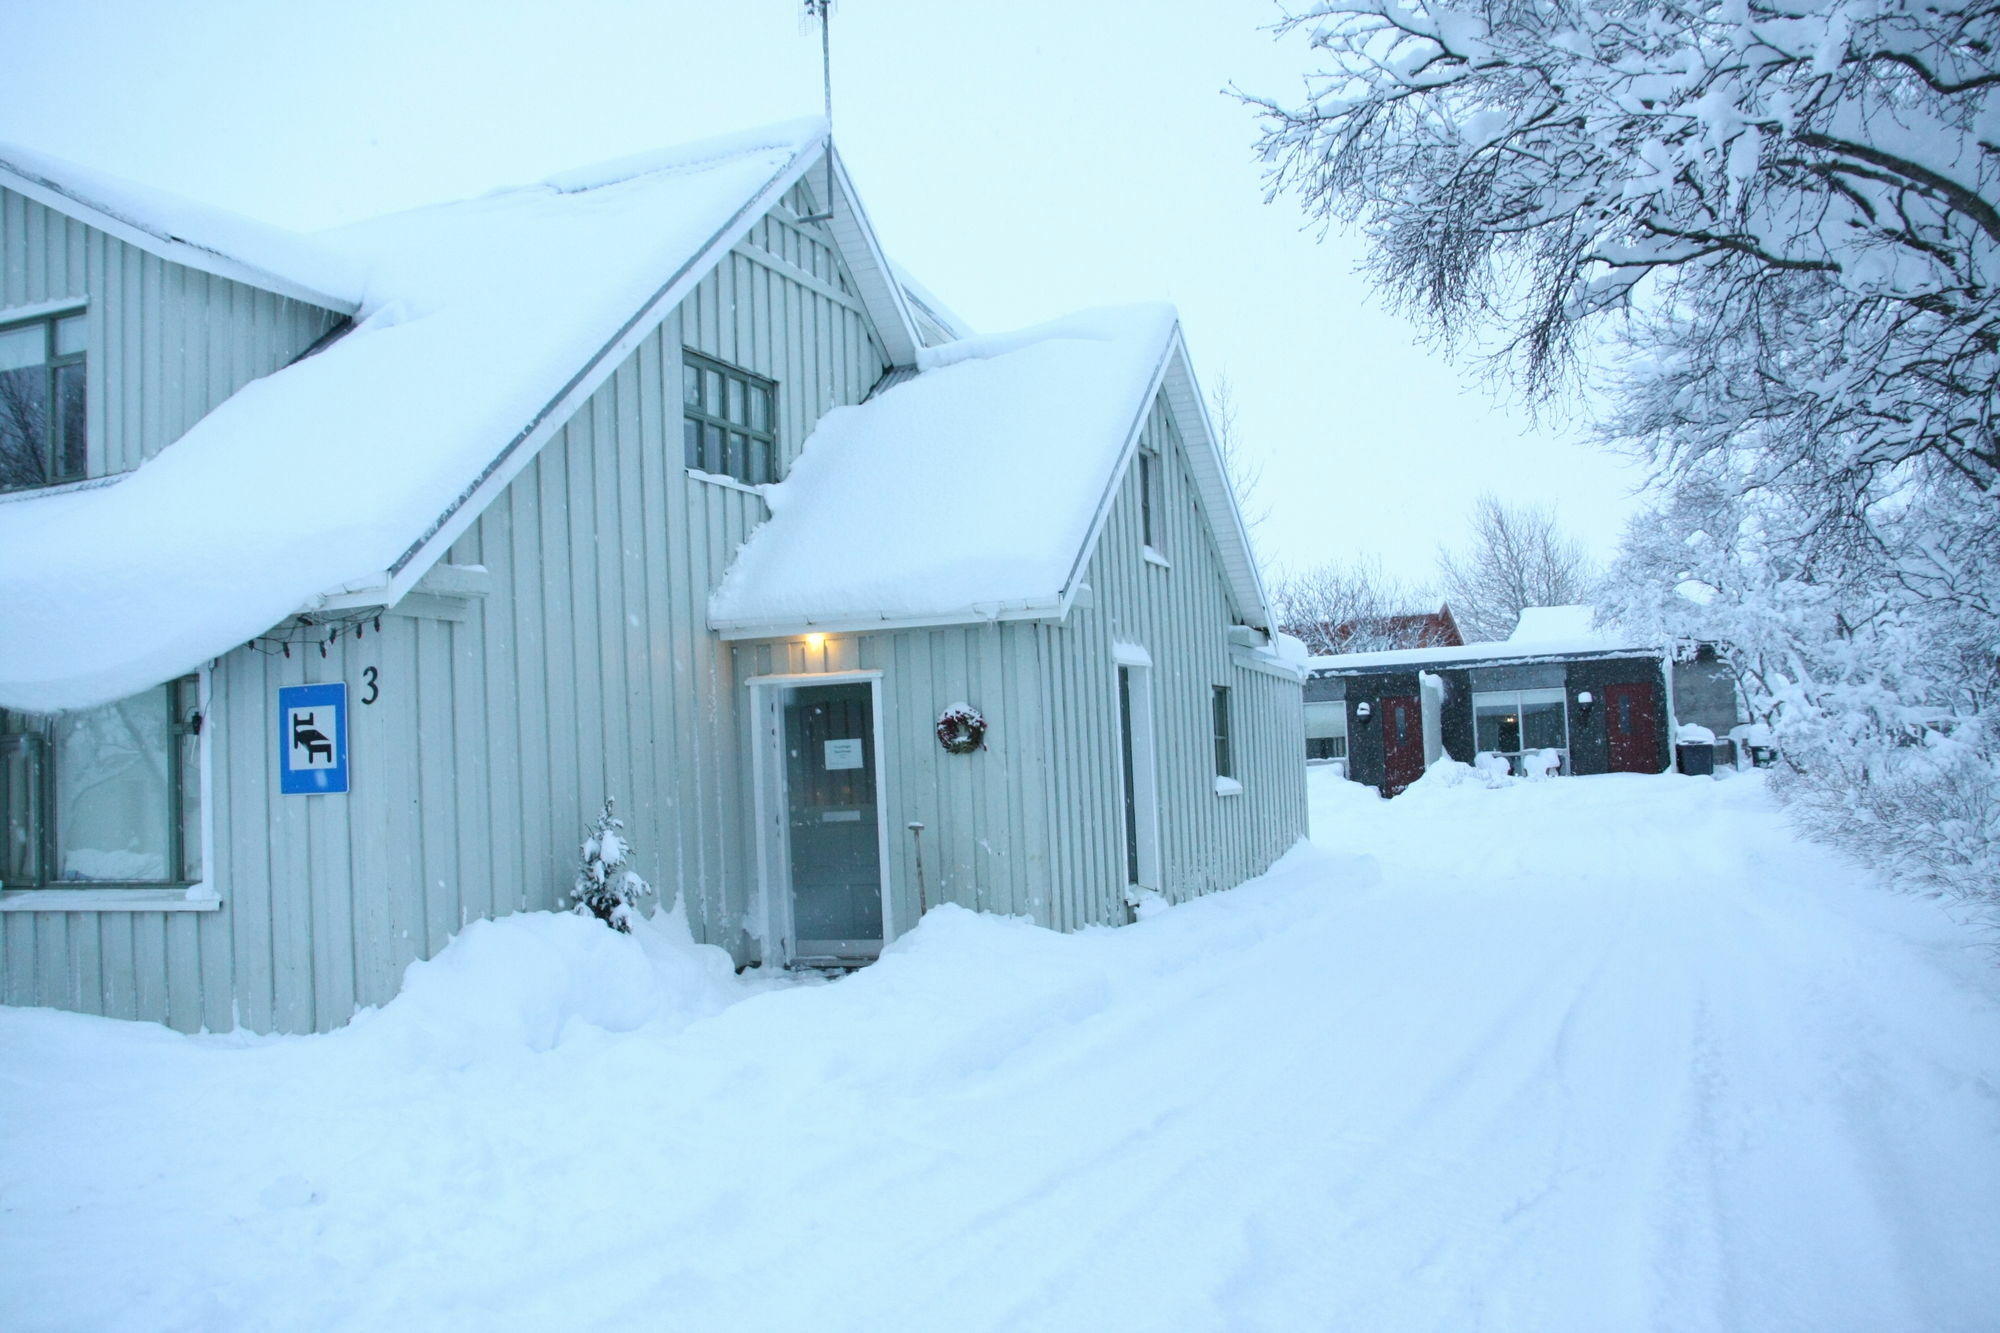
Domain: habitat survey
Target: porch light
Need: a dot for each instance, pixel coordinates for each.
(1362, 711)
(815, 641)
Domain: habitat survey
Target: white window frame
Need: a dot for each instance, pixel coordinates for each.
(201, 896)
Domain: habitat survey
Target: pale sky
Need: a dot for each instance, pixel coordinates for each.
(1021, 160)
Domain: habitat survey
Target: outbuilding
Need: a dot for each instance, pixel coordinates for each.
(1559, 691)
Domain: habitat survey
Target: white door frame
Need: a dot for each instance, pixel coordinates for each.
(767, 768)
(1145, 774)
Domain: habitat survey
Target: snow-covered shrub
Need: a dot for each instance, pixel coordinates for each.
(1868, 650)
(605, 888)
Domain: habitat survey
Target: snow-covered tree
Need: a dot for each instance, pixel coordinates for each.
(605, 887)
(1347, 607)
(1870, 647)
(1796, 202)
(1783, 222)
(1518, 556)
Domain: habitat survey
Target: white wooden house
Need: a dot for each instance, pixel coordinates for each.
(484, 474)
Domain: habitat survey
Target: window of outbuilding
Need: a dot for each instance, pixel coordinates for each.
(1326, 730)
(43, 430)
(729, 420)
(1517, 722)
(108, 795)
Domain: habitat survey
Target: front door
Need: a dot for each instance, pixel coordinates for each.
(1402, 743)
(1630, 721)
(832, 824)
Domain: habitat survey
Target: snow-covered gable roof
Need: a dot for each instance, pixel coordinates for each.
(483, 325)
(1549, 624)
(185, 232)
(975, 490)
(1540, 632)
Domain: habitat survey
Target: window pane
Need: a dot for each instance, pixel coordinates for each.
(690, 385)
(113, 794)
(20, 810)
(1542, 727)
(711, 392)
(738, 412)
(186, 706)
(1496, 726)
(739, 456)
(760, 409)
(1326, 719)
(711, 448)
(23, 425)
(1221, 703)
(69, 336)
(27, 345)
(761, 467)
(71, 437)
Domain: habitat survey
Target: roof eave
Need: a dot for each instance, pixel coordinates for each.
(791, 627)
(172, 248)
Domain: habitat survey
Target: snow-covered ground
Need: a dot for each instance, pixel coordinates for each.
(1600, 1053)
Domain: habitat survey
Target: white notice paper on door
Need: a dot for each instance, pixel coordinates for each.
(843, 754)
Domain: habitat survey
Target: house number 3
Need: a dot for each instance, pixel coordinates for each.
(371, 677)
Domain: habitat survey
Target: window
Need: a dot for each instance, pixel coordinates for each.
(1326, 730)
(730, 420)
(107, 795)
(1223, 760)
(42, 425)
(1149, 467)
(1512, 722)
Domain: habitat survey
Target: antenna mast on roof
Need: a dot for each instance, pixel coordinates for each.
(822, 10)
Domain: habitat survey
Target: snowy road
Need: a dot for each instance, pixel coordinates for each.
(1607, 1053)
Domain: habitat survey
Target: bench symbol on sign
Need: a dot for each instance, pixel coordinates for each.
(307, 736)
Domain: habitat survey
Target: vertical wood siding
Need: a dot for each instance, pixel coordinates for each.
(1033, 824)
(166, 343)
(1179, 614)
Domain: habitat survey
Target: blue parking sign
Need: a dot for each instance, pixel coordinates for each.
(312, 739)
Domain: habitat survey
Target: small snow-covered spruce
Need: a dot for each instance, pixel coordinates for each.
(605, 888)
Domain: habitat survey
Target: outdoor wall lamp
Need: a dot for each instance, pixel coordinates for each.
(1362, 711)
(1584, 699)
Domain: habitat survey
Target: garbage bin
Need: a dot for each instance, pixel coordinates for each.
(1695, 758)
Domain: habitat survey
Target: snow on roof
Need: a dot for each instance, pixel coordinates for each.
(969, 491)
(1540, 624)
(1541, 631)
(928, 307)
(480, 318)
(197, 235)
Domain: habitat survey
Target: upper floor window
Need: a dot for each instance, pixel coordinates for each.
(1149, 469)
(42, 422)
(107, 795)
(730, 420)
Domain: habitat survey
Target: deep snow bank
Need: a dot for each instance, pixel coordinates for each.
(1586, 1054)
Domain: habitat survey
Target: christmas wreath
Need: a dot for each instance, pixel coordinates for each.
(961, 729)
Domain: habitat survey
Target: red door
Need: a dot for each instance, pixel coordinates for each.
(1402, 743)
(1630, 719)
